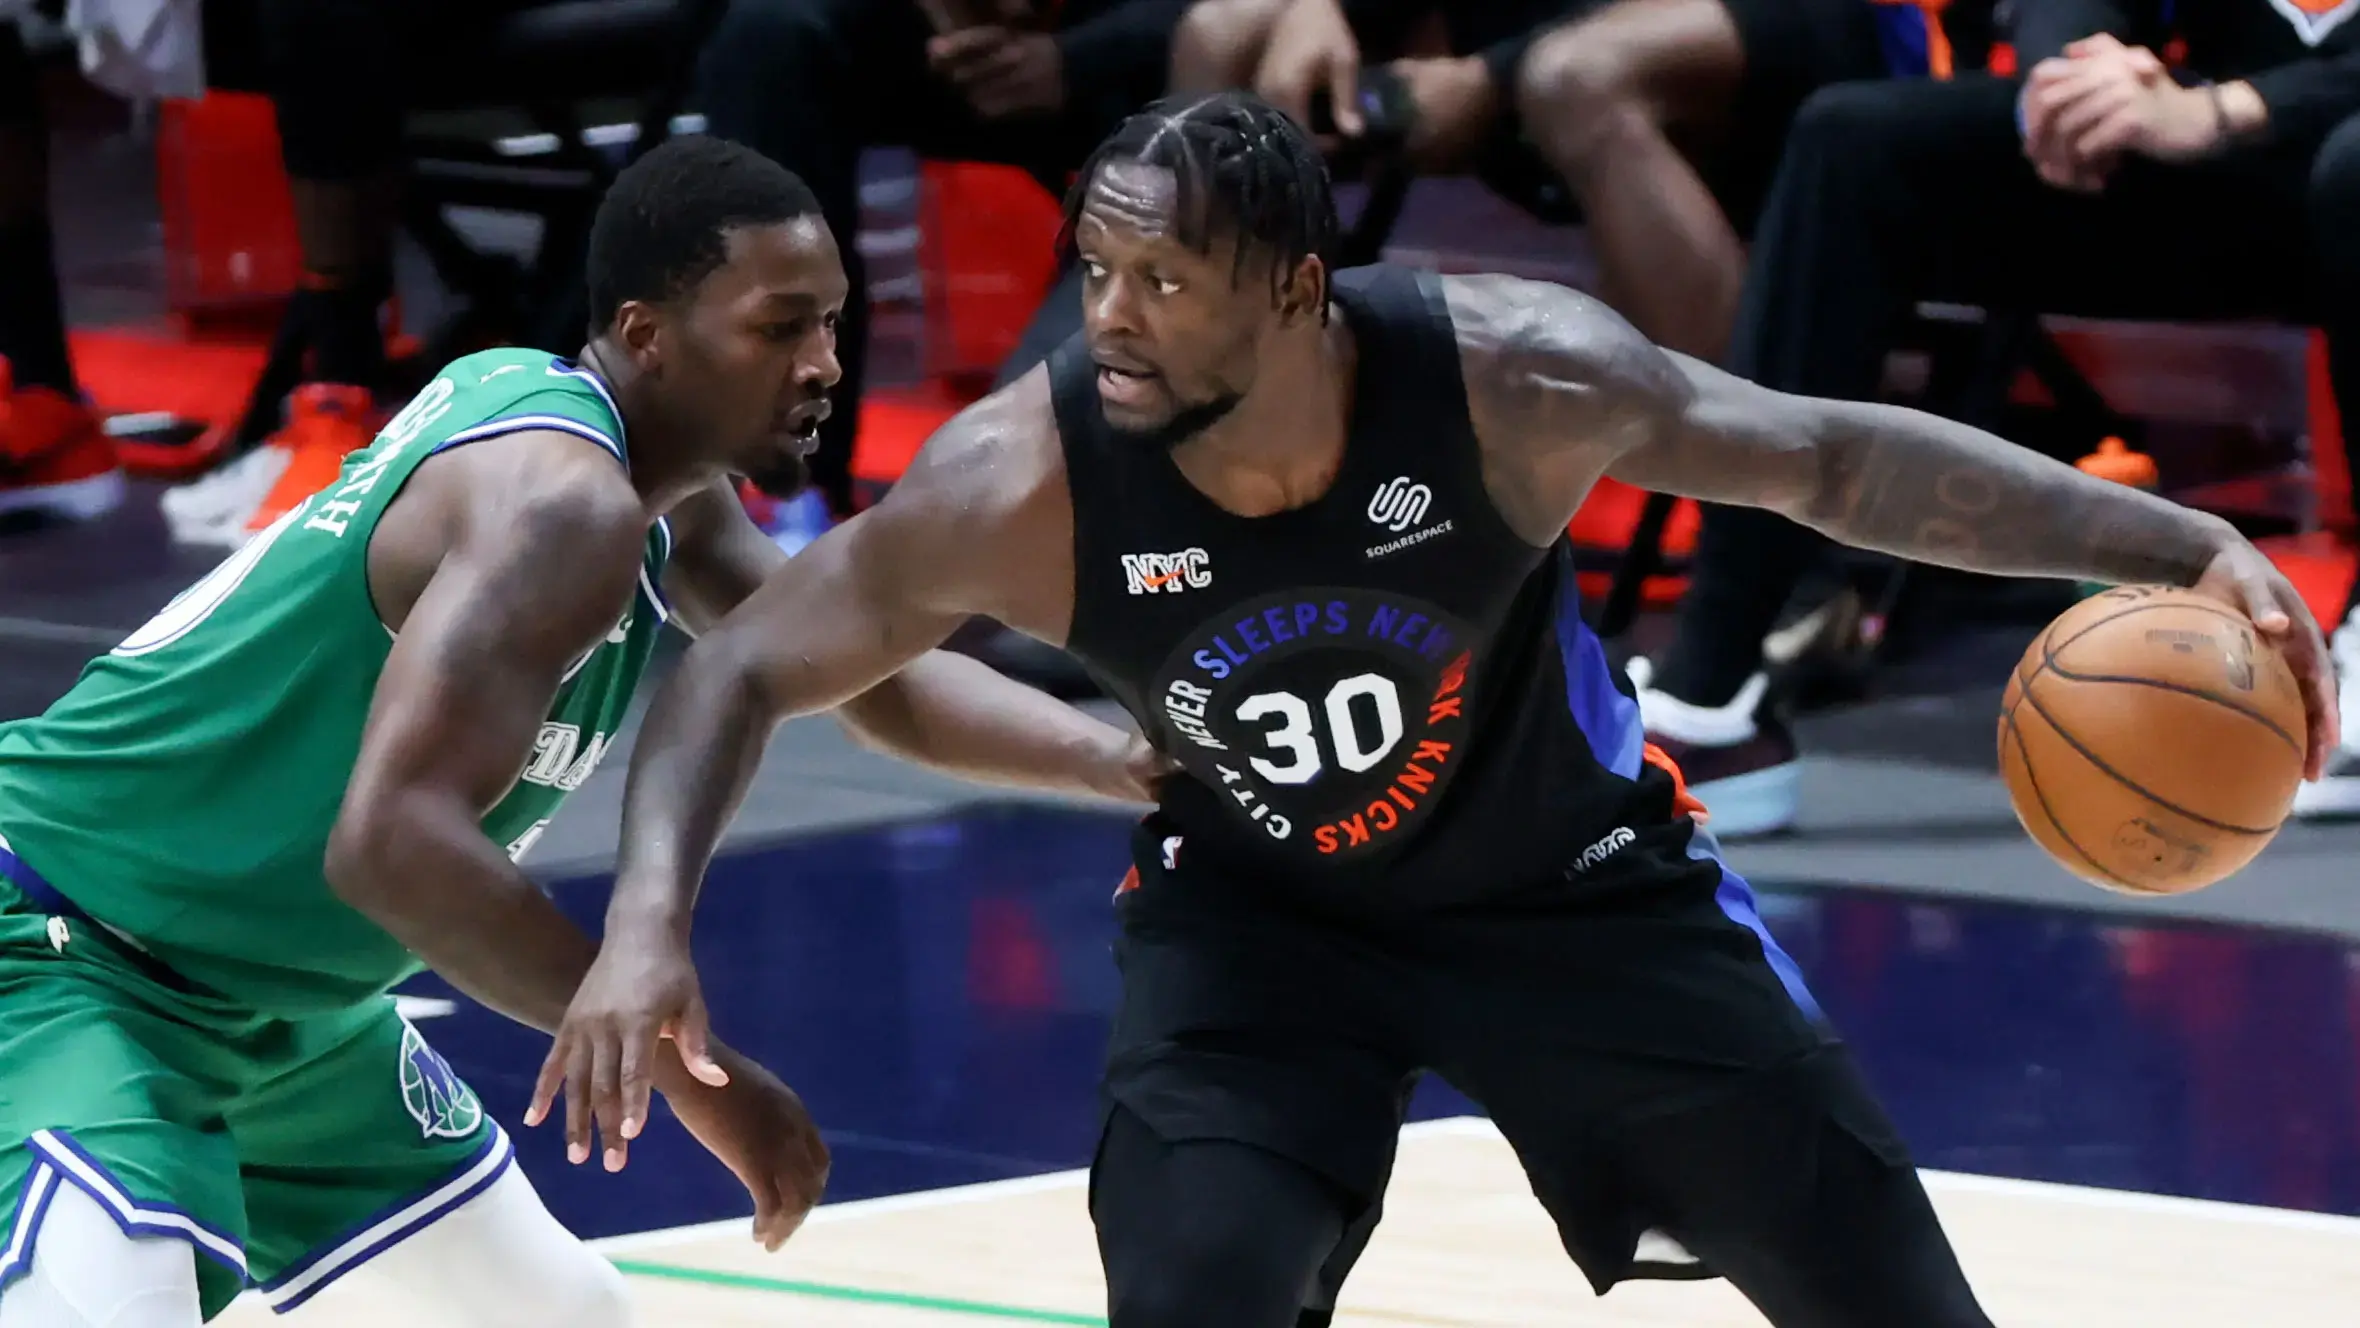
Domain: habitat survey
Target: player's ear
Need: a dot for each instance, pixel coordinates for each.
(1303, 298)
(636, 329)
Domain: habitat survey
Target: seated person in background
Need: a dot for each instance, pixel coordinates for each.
(1601, 92)
(1451, 75)
(1031, 83)
(53, 457)
(1453, 66)
(340, 74)
(2099, 185)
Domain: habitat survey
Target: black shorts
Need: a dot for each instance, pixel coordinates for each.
(1638, 1045)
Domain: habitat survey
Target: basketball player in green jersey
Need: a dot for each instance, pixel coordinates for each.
(312, 771)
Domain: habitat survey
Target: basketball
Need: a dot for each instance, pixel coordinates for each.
(2152, 740)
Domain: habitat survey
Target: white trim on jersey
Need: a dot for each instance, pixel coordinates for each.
(596, 383)
(71, 1164)
(32, 1203)
(316, 1271)
(647, 584)
(493, 428)
(655, 597)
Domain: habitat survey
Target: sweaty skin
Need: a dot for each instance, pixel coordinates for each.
(1561, 391)
(504, 561)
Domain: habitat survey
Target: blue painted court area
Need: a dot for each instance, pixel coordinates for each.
(940, 991)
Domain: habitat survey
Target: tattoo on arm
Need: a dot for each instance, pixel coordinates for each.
(1557, 387)
(1563, 391)
(1906, 482)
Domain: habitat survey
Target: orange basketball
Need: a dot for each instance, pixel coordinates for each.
(2151, 740)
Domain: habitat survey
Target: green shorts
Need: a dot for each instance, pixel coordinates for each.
(286, 1151)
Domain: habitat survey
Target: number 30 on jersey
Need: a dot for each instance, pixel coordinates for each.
(1361, 716)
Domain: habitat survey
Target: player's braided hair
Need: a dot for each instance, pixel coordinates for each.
(1244, 169)
(663, 225)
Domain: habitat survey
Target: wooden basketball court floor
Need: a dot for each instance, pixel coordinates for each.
(1463, 1242)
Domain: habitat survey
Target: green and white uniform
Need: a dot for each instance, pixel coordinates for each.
(193, 1028)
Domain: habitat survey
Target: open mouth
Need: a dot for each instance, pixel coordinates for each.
(1123, 385)
(802, 428)
(1121, 379)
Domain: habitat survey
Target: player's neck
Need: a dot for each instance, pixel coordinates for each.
(647, 437)
(1283, 444)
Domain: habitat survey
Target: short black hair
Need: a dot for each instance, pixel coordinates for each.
(664, 223)
(1244, 169)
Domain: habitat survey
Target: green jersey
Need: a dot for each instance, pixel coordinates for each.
(182, 793)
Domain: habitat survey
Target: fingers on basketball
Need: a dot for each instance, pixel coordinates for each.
(2152, 740)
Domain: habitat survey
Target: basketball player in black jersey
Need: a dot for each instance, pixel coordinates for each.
(1309, 529)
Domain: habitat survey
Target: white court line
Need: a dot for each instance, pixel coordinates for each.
(1462, 1127)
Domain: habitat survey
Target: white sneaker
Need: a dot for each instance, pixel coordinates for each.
(214, 506)
(2338, 791)
(1738, 760)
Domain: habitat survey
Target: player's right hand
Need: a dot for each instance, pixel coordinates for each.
(1312, 50)
(759, 1129)
(2243, 577)
(640, 991)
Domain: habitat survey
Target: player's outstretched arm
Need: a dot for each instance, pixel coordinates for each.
(498, 566)
(980, 525)
(978, 522)
(943, 710)
(1564, 391)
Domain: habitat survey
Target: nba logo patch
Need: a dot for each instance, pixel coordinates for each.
(437, 1098)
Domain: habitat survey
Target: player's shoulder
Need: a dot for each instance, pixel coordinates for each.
(997, 458)
(1533, 351)
(508, 387)
(527, 438)
(982, 518)
(1518, 321)
(539, 497)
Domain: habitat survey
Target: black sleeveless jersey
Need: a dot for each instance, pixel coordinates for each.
(1386, 697)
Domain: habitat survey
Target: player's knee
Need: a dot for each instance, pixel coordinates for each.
(1230, 1272)
(1219, 43)
(501, 1261)
(594, 1296)
(1191, 1295)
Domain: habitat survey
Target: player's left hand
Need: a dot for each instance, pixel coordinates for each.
(760, 1130)
(2245, 579)
(1137, 772)
(640, 991)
